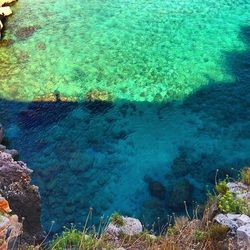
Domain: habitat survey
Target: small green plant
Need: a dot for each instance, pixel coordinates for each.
(228, 203)
(245, 176)
(217, 232)
(117, 219)
(143, 239)
(221, 187)
(172, 231)
(75, 239)
(69, 238)
(200, 235)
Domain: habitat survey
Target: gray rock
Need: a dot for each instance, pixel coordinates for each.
(233, 217)
(224, 220)
(239, 219)
(237, 187)
(243, 237)
(23, 198)
(243, 220)
(12, 152)
(131, 227)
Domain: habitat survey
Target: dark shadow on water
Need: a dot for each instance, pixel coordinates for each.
(142, 159)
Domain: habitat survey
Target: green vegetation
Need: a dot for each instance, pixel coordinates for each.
(75, 239)
(142, 240)
(172, 230)
(217, 232)
(245, 176)
(221, 187)
(117, 219)
(200, 235)
(214, 232)
(228, 203)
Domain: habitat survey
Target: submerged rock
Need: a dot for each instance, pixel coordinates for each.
(156, 189)
(41, 46)
(180, 193)
(98, 95)
(25, 32)
(5, 42)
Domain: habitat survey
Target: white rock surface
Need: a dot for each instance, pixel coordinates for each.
(6, 11)
(224, 220)
(6, 2)
(241, 190)
(233, 217)
(243, 220)
(240, 219)
(131, 227)
(243, 237)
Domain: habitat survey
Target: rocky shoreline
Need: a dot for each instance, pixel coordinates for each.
(5, 11)
(23, 197)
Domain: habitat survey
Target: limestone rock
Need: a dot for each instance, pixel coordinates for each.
(10, 228)
(243, 220)
(131, 227)
(233, 217)
(6, 11)
(12, 152)
(243, 237)
(224, 220)
(239, 189)
(6, 2)
(23, 199)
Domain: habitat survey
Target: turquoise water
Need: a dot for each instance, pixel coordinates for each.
(155, 98)
(132, 50)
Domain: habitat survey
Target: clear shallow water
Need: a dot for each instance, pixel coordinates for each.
(134, 50)
(144, 56)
